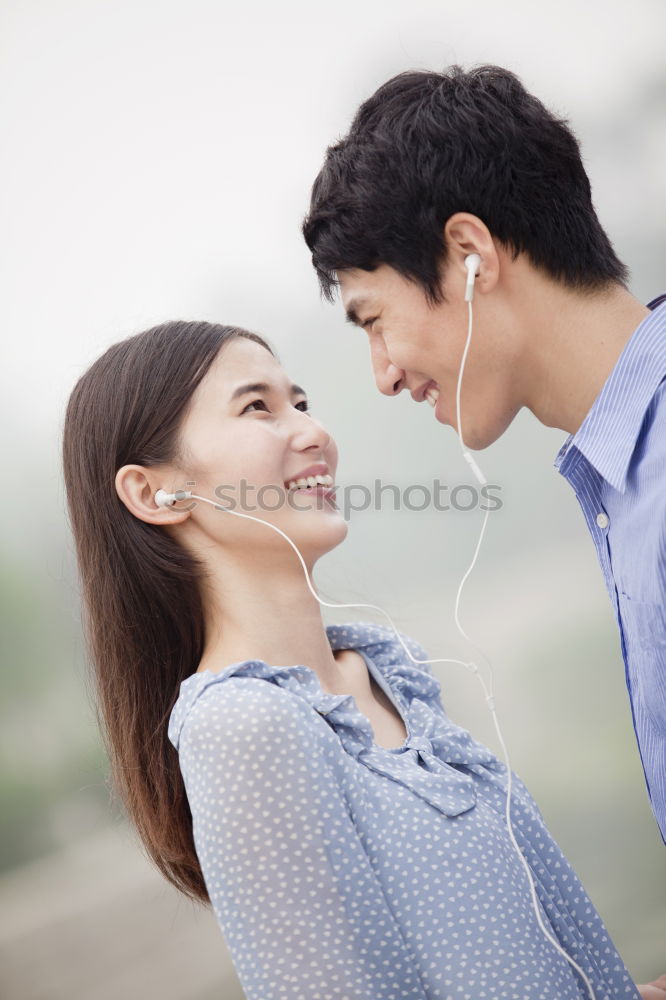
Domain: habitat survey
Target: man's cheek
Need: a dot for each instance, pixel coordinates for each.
(416, 353)
(408, 357)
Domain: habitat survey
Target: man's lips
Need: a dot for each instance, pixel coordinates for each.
(432, 394)
(428, 391)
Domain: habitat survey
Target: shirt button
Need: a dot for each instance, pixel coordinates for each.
(602, 520)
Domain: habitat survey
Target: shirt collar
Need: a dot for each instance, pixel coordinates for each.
(607, 437)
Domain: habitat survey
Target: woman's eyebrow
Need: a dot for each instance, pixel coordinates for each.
(245, 390)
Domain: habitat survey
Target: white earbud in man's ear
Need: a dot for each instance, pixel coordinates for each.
(472, 263)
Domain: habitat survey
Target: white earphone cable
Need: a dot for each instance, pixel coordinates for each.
(473, 667)
(488, 691)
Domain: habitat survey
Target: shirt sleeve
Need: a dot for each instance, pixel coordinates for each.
(300, 908)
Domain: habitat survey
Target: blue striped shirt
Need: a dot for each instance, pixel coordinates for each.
(616, 464)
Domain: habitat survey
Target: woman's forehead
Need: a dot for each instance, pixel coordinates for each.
(243, 361)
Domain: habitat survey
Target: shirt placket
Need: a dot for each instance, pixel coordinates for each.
(586, 485)
(586, 482)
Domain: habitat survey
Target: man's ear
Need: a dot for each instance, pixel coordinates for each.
(464, 234)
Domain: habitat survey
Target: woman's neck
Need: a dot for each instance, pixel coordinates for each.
(267, 615)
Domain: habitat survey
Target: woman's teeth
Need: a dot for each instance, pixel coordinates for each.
(311, 481)
(432, 395)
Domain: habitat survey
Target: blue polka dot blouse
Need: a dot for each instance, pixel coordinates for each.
(342, 870)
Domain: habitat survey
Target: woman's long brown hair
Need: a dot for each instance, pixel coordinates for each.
(142, 609)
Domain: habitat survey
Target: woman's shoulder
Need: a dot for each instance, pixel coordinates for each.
(380, 642)
(234, 705)
(398, 657)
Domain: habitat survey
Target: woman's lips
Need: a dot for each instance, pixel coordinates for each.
(326, 492)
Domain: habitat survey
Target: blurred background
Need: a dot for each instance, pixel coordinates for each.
(157, 161)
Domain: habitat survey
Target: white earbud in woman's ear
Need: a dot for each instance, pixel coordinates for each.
(164, 499)
(472, 263)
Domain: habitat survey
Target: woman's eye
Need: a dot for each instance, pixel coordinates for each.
(368, 323)
(254, 403)
(302, 405)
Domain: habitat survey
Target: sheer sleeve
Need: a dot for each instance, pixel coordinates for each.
(301, 910)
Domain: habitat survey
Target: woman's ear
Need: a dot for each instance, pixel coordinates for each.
(136, 486)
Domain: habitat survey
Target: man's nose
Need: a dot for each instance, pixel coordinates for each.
(389, 379)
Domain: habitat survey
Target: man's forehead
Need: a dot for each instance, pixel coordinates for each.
(356, 294)
(354, 281)
(358, 282)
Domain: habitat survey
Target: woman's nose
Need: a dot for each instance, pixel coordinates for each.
(309, 433)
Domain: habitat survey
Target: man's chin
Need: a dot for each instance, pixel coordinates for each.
(439, 414)
(479, 435)
(475, 438)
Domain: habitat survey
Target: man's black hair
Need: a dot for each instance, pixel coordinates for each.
(427, 145)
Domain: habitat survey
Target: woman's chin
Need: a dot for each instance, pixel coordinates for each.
(333, 534)
(320, 539)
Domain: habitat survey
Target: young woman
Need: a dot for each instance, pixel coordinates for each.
(305, 780)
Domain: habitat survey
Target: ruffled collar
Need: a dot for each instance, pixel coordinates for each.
(437, 759)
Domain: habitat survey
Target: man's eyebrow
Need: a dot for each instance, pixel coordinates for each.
(352, 315)
(245, 390)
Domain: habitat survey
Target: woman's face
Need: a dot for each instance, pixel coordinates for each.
(246, 436)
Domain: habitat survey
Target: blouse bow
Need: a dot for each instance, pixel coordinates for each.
(438, 759)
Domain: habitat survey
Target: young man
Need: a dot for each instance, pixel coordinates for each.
(437, 166)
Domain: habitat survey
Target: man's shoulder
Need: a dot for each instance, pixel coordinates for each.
(651, 444)
(660, 300)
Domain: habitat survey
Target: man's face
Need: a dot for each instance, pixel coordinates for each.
(419, 347)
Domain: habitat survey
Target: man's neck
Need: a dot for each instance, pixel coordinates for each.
(572, 344)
